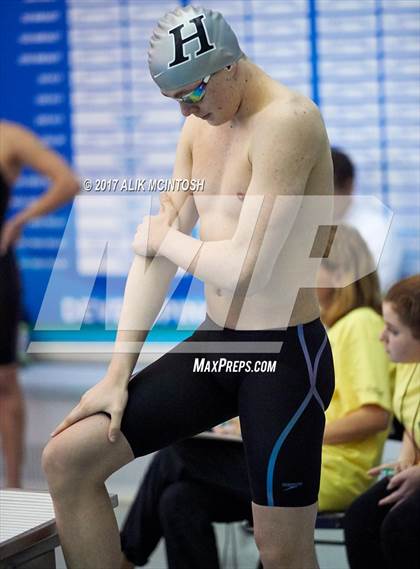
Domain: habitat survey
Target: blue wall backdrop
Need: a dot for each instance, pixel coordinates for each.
(75, 71)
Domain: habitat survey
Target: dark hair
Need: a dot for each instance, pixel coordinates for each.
(343, 167)
(405, 299)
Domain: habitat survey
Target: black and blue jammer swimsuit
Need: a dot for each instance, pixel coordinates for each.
(219, 373)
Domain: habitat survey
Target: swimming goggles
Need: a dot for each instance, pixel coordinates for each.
(196, 95)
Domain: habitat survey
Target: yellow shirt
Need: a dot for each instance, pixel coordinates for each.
(361, 378)
(406, 401)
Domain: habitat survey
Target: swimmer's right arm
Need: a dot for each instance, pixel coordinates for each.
(149, 279)
(145, 291)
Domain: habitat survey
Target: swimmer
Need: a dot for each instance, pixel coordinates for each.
(20, 148)
(252, 140)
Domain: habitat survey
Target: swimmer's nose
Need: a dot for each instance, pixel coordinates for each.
(187, 110)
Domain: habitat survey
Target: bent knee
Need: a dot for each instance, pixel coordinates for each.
(82, 453)
(61, 463)
(77, 449)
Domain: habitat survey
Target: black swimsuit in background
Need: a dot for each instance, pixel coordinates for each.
(9, 289)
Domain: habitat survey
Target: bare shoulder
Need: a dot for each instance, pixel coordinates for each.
(16, 138)
(291, 117)
(190, 128)
(14, 130)
(12, 137)
(288, 141)
(7, 129)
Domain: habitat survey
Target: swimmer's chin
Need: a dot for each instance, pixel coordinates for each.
(212, 121)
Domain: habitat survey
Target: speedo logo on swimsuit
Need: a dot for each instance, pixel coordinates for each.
(203, 365)
(286, 486)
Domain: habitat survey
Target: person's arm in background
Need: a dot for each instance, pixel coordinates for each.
(357, 425)
(27, 150)
(405, 480)
(402, 485)
(145, 291)
(409, 456)
(404, 474)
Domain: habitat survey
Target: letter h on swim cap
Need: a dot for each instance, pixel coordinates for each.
(179, 41)
(188, 44)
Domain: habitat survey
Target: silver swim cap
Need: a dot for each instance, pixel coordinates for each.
(188, 44)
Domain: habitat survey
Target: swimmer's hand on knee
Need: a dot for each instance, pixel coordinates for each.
(106, 396)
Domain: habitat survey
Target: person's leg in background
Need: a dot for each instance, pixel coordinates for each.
(187, 487)
(187, 511)
(362, 528)
(400, 534)
(142, 529)
(12, 424)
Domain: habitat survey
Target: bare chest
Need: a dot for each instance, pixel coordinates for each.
(221, 159)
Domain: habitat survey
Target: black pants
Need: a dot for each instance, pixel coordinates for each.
(383, 536)
(187, 486)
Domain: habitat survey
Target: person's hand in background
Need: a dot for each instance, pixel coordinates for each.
(392, 467)
(403, 485)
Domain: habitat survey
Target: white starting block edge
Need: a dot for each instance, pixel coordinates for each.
(27, 518)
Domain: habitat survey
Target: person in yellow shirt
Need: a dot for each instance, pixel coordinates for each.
(382, 526)
(358, 417)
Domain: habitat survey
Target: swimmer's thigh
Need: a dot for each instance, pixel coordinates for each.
(168, 402)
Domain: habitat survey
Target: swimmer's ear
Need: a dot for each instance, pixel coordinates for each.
(231, 71)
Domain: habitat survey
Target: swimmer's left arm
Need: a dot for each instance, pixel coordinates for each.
(281, 163)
